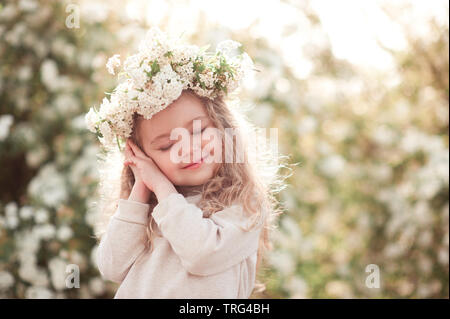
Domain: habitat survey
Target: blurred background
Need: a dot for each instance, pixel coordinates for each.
(357, 89)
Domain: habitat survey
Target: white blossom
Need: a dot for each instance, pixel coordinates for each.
(11, 219)
(8, 12)
(12, 222)
(36, 292)
(40, 216)
(332, 165)
(283, 262)
(26, 212)
(6, 280)
(24, 73)
(97, 286)
(91, 119)
(36, 155)
(44, 231)
(49, 185)
(64, 233)
(50, 74)
(113, 62)
(28, 5)
(57, 267)
(6, 121)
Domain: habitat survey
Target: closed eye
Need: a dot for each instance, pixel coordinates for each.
(203, 129)
(168, 147)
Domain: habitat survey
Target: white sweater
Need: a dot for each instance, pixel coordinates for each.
(195, 257)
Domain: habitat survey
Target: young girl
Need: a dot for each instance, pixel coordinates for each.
(194, 228)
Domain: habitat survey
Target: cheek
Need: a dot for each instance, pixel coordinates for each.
(212, 144)
(162, 159)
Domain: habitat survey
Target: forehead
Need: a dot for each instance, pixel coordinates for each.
(182, 110)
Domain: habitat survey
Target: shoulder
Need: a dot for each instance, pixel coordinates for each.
(236, 215)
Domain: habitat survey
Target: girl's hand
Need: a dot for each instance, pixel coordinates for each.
(144, 168)
(139, 192)
(128, 154)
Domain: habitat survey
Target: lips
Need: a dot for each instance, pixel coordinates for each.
(201, 161)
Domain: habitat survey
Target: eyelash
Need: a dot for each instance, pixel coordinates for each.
(168, 147)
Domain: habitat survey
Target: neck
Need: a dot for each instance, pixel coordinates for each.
(189, 190)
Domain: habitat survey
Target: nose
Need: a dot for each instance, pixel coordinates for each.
(195, 153)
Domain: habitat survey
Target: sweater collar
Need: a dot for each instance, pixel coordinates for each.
(193, 198)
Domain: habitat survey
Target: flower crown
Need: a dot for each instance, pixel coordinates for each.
(157, 75)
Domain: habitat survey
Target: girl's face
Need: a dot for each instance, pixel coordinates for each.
(157, 144)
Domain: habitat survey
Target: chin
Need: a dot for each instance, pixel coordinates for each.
(191, 178)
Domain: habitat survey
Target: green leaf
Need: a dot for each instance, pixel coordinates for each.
(118, 143)
(155, 67)
(98, 133)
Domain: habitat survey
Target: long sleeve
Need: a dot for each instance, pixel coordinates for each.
(205, 246)
(123, 241)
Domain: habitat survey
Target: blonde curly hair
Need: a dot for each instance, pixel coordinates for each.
(251, 184)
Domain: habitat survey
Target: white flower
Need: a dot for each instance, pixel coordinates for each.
(41, 216)
(283, 262)
(11, 219)
(246, 61)
(26, 212)
(36, 155)
(6, 280)
(24, 73)
(28, 5)
(66, 104)
(108, 135)
(64, 233)
(57, 267)
(97, 286)
(50, 74)
(384, 135)
(32, 274)
(297, 287)
(8, 12)
(307, 125)
(5, 123)
(113, 62)
(36, 292)
(155, 43)
(337, 288)
(11, 209)
(44, 231)
(78, 258)
(12, 222)
(332, 165)
(228, 48)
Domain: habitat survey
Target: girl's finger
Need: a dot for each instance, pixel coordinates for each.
(137, 151)
(135, 159)
(128, 155)
(128, 149)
